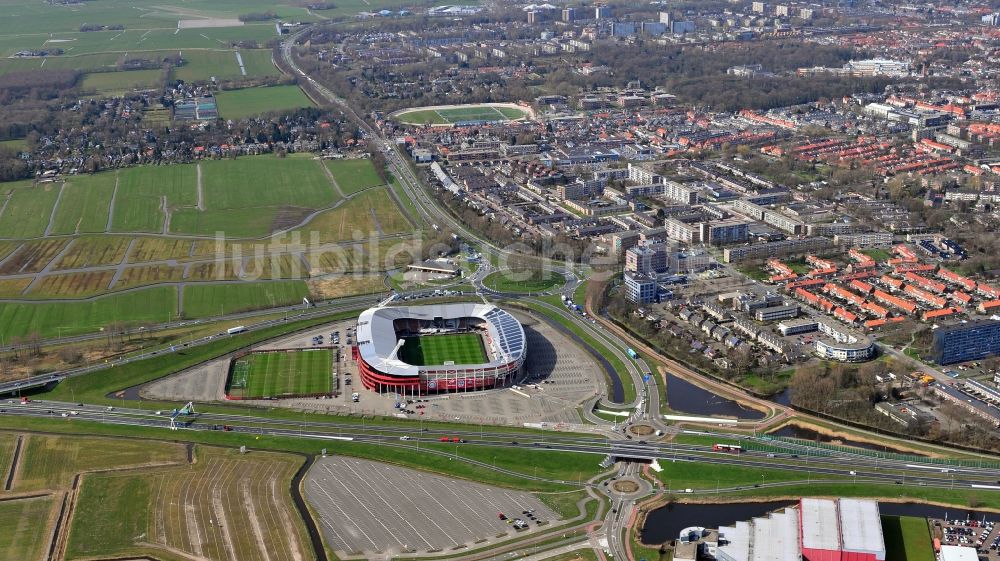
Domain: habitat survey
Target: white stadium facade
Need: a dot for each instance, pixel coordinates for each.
(380, 334)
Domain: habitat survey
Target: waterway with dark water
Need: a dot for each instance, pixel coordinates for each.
(685, 397)
(665, 523)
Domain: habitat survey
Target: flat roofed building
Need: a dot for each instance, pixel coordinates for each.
(958, 553)
(965, 341)
(436, 267)
(820, 530)
(776, 313)
(724, 232)
(861, 530)
(774, 538)
(797, 326)
(640, 288)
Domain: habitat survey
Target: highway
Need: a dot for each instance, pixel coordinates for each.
(849, 465)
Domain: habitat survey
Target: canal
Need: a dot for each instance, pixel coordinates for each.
(685, 397)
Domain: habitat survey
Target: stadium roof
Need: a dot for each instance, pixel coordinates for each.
(377, 343)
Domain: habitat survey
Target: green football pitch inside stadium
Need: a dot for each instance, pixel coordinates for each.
(273, 374)
(432, 350)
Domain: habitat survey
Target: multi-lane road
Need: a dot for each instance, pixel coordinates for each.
(814, 465)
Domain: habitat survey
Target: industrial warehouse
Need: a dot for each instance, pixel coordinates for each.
(815, 530)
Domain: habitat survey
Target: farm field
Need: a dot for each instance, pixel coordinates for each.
(462, 348)
(346, 285)
(265, 181)
(161, 249)
(24, 527)
(447, 116)
(151, 274)
(94, 251)
(372, 211)
(273, 374)
(33, 256)
(17, 144)
(85, 203)
(252, 197)
(29, 21)
(51, 319)
(141, 190)
(219, 299)
(49, 462)
(236, 104)
(6, 453)
(354, 175)
(72, 285)
(224, 506)
(372, 257)
(12, 288)
(28, 208)
(112, 83)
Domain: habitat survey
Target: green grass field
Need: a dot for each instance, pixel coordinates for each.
(24, 527)
(219, 299)
(85, 204)
(907, 539)
(138, 206)
(111, 83)
(51, 319)
(880, 255)
(16, 144)
(272, 374)
(354, 175)
(460, 348)
(28, 209)
(538, 281)
(49, 462)
(236, 104)
(252, 197)
(457, 114)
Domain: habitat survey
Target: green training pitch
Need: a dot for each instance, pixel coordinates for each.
(236, 104)
(462, 348)
(273, 374)
(459, 114)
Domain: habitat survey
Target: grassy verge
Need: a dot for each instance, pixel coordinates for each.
(522, 463)
(564, 504)
(907, 539)
(524, 282)
(961, 498)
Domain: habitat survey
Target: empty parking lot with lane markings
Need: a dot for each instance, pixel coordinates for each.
(369, 508)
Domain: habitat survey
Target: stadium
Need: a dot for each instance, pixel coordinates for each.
(414, 350)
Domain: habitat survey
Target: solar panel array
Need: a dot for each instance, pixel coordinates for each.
(511, 337)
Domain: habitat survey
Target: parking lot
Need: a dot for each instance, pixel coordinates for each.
(977, 533)
(368, 508)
